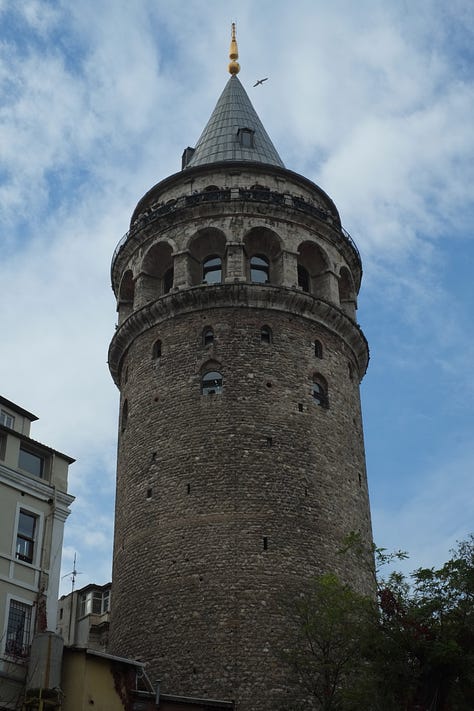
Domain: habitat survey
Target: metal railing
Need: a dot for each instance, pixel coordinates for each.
(225, 195)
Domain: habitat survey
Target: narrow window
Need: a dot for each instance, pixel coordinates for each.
(18, 629)
(320, 393)
(266, 334)
(212, 270)
(25, 537)
(265, 543)
(207, 336)
(350, 370)
(318, 349)
(31, 462)
(156, 352)
(211, 383)
(259, 269)
(124, 419)
(168, 280)
(303, 278)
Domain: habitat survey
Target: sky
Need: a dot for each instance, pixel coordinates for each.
(372, 100)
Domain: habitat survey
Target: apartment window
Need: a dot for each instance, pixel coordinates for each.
(18, 629)
(211, 383)
(6, 419)
(259, 269)
(31, 462)
(212, 270)
(94, 602)
(25, 537)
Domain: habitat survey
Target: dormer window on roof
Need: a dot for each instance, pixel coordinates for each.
(246, 137)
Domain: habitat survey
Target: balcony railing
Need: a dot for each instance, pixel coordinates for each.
(226, 195)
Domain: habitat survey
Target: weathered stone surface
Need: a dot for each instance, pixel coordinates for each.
(227, 504)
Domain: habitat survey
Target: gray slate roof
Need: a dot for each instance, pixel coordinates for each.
(220, 139)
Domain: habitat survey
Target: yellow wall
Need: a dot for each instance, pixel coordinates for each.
(87, 682)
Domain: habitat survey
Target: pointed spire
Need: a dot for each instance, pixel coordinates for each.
(234, 131)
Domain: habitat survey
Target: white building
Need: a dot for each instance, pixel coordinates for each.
(83, 617)
(34, 505)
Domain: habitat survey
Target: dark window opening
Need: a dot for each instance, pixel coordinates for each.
(207, 336)
(156, 353)
(300, 407)
(25, 538)
(269, 441)
(211, 383)
(31, 462)
(18, 629)
(188, 488)
(149, 493)
(246, 137)
(303, 278)
(259, 269)
(265, 543)
(212, 270)
(266, 334)
(168, 280)
(318, 349)
(320, 395)
(350, 370)
(124, 419)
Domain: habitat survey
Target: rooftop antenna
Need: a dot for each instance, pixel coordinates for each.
(73, 573)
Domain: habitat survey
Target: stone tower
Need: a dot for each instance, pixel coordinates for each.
(241, 457)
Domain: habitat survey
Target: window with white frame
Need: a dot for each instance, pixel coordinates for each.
(19, 629)
(6, 419)
(94, 602)
(25, 536)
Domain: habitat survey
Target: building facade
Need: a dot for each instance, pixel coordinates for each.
(241, 463)
(83, 617)
(34, 505)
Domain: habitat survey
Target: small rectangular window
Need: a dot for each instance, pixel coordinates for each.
(31, 462)
(246, 136)
(6, 419)
(25, 537)
(18, 629)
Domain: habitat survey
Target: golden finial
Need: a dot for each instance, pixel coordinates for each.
(234, 66)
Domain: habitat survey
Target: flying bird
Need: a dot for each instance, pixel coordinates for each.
(260, 81)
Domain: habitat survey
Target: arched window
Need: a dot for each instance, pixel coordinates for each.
(266, 334)
(259, 269)
(212, 270)
(303, 279)
(211, 383)
(156, 352)
(320, 391)
(207, 336)
(168, 280)
(124, 418)
(318, 349)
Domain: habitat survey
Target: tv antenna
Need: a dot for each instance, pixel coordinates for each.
(73, 573)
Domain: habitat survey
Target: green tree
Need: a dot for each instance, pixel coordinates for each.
(335, 625)
(414, 651)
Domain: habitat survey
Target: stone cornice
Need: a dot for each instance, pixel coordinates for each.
(252, 296)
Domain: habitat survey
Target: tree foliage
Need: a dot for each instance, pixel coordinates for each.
(413, 651)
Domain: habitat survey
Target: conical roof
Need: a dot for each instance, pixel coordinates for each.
(234, 132)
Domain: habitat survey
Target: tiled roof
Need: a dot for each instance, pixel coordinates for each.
(221, 140)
